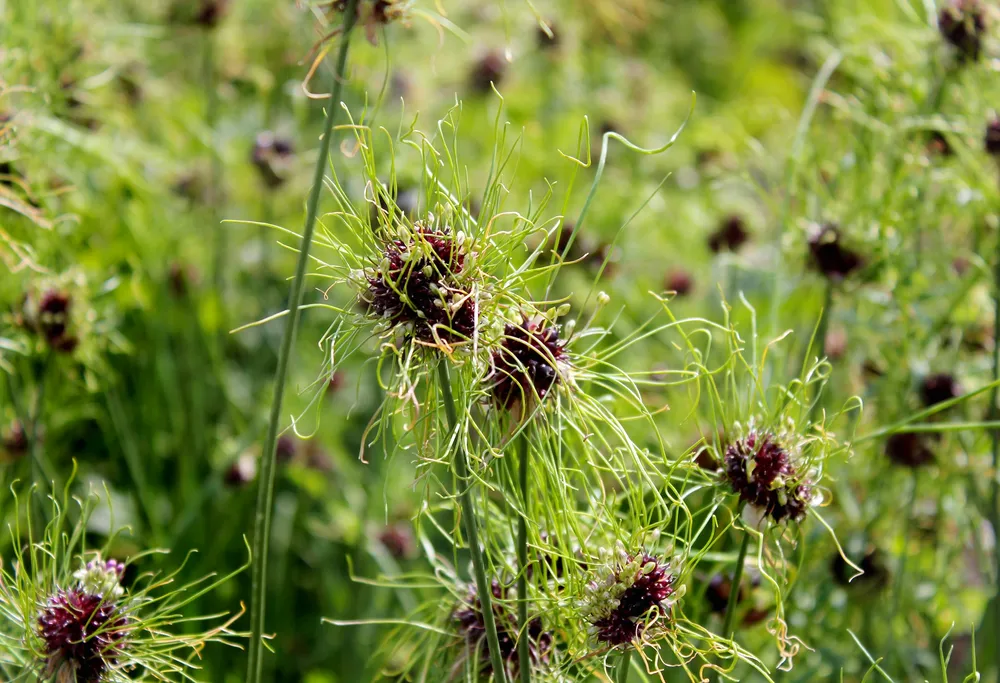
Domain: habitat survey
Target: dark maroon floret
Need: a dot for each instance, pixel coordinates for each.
(241, 471)
(271, 155)
(909, 449)
(759, 470)
(416, 284)
(719, 589)
(991, 141)
(649, 592)
(548, 40)
(490, 69)
(83, 634)
(15, 440)
(468, 616)
(730, 235)
(526, 365)
(53, 314)
(872, 564)
(829, 255)
(679, 281)
(286, 448)
(211, 12)
(938, 144)
(963, 25)
(398, 540)
(938, 388)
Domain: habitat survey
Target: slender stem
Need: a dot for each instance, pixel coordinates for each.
(483, 587)
(994, 414)
(215, 178)
(624, 664)
(901, 572)
(734, 586)
(524, 641)
(265, 485)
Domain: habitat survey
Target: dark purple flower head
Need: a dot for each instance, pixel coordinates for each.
(875, 576)
(398, 540)
(938, 388)
(679, 281)
(489, 69)
(638, 588)
(527, 363)
(272, 155)
(416, 286)
(991, 141)
(15, 440)
(759, 469)
(83, 635)
(48, 315)
(241, 471)
(211, 12)
(909, 449)
(548, 40)
(720, 587)
(286, 448)
(963, 24)
(468, 617)
(730, 235)
(829, 254)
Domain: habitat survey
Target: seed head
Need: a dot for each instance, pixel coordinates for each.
(991, 141)
(730, 235)
(15, 440)
(272, 155)
(759, 469)
(398, 540)
(416, 286)
(527, 363)
(938, 388)
(875, 576)
(468, 617)
(909, 449)
(83, 635)
(49, 316)
(963, 24)
(830, 256)
(679, 281)
(489, 69)
(620, 604)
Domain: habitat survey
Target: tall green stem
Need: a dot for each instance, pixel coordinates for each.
(483, 587)
(624, 664)
(265, 486)
(523, 641)
(994, 414)
(734, 586)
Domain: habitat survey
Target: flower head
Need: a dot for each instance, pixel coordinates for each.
(938, 388)
(468, 617)
(528, 362)
(636, 587)
(909, 449)
(272, 155)
(14, 440)
(991, 141)
(416, 287)
(760, 470)
(49, 315)
(730, 235)
(829, 254)
(963, 24)
(83, 635)
(488, 70)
